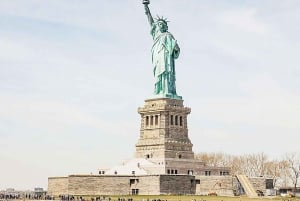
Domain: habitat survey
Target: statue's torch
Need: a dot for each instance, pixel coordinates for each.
(146, 2)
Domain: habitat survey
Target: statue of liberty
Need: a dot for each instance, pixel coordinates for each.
(164, 51)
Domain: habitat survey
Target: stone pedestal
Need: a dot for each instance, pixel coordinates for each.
(164, 136)
(164, 130)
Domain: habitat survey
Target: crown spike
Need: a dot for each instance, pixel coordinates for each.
(161, 19)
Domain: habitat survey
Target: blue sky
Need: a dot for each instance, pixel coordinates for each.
(72, 74)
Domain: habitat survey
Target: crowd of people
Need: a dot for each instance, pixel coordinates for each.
(9, 196)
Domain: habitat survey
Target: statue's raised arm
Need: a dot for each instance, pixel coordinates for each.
(147, 12)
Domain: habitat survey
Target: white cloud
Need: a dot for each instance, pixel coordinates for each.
(245, 20)
(52, 116)
(264, 117)
(263, 103)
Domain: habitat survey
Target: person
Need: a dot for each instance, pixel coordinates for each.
(164, 51)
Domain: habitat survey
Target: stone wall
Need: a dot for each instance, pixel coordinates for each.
(103, 185)
(221, 185)
(259, 183)
(58, 186)
(147, 185)
(98, 185)
(214, 171)
(78, 185)
(177, 184)
(184, 165)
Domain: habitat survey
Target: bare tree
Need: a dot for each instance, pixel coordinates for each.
(215, 159)
(293, 160)
(282, 172)
(236, 165)
(250, 164)
(276, 169)
(261, 160)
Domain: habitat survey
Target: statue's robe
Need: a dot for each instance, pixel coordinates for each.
(164, 50)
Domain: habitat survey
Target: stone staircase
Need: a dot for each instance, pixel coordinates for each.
(247, 185)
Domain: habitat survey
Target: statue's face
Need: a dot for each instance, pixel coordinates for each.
(162, 26)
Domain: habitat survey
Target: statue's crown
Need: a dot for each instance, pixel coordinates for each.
(162, 19)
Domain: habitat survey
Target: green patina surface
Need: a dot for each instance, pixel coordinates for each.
(164, 52)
